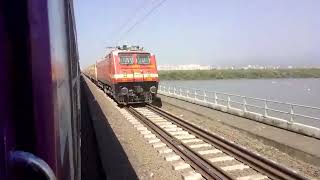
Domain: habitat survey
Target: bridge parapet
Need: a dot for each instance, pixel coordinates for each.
(298, 118)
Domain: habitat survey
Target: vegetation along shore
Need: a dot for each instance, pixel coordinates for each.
(239, 74)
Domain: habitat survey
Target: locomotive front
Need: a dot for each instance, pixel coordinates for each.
(133, 75)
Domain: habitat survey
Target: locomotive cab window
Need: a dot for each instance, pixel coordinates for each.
(126, 60)
(143, 59)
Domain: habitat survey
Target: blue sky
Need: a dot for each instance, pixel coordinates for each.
(214, 32)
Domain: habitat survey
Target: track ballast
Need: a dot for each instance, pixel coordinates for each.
(194, 145)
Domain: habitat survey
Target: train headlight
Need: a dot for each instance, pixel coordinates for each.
(153, 89)
(124, 91)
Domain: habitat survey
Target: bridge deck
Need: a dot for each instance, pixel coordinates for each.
(296, 145)
(123, 151)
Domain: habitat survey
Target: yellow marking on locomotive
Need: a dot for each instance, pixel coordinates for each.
(138, 75)
(135, 75)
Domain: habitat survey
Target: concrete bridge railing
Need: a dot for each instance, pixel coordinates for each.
(293, 117)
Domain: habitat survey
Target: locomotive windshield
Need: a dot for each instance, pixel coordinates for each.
(126, 60)
(143, 59)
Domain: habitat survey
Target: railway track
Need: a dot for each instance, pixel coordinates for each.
(208, 154)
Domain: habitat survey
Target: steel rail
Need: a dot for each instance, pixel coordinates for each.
(201, 165)
(255, 161)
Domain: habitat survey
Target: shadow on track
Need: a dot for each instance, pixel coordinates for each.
(114, 161)
(91, 167)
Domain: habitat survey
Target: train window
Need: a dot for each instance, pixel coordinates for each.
(126, 60)
(143, 59)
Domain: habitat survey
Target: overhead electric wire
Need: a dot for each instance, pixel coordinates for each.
(129, 19)
(141, 20)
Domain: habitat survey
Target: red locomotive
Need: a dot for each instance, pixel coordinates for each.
(129, 74)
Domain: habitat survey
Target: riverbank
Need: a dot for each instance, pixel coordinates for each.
(239, 74)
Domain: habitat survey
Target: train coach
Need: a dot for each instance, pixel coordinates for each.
(91, 72)
(40, 106)
(128, 74)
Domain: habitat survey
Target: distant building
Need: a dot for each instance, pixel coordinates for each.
(210, 67)
(184, 67)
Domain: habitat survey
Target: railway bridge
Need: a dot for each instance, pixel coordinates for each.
(198, 134)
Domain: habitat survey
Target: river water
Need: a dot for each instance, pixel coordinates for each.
(298, 91)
